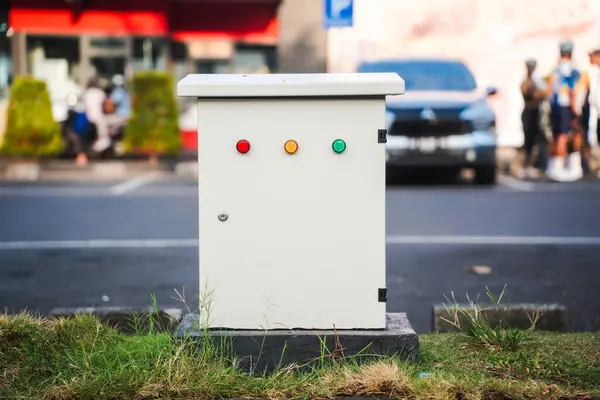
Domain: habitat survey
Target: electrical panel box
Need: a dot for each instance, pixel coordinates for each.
(291, 181)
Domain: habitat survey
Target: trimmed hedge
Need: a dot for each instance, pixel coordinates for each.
(30, 129)
(154, 124)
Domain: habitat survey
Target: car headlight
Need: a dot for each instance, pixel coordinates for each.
(484, 124)
(480, 116)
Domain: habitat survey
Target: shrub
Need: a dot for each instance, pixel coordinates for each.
(30, 129)
(154, 123)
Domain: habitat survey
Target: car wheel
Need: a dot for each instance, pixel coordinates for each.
(485, 175)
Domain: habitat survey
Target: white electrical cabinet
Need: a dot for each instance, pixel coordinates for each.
(291, 180)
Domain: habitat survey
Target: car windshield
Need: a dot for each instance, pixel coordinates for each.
(427, 75)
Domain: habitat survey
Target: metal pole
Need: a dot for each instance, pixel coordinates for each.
(19, 53)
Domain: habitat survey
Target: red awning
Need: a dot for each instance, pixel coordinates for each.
(141, 17)
(250, 21)
(246, 20)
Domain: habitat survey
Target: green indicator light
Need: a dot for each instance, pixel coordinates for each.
(338, 146)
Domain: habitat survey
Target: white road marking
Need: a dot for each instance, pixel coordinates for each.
(132, 184)
(95, 192)
(516, 184)
(52, 192)
(495, 240)
(165, 191)
(98, 244)
(394, 240)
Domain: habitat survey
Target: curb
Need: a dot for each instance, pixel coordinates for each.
(103, 170)
(187, 169)
(22, 172)
(126, 319)
(553, 317)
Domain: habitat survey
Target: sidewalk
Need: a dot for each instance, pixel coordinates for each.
(59, 170)
(510, 162)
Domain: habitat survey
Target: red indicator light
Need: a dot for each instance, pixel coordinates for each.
(243, 146)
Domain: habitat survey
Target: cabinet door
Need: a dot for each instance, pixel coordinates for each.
(303, 245)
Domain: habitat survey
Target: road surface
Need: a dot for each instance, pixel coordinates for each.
(113, 243)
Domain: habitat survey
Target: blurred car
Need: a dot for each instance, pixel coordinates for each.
(443, 120)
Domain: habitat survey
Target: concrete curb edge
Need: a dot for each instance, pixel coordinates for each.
(127, 319)
(35, 171)
(553, 317)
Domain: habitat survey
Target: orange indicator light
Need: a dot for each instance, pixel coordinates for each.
(291, 147)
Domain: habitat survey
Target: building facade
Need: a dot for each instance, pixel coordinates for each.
(82, 38)
(67, 42)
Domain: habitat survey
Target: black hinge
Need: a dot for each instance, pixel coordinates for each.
(382, 295)
(382, 136)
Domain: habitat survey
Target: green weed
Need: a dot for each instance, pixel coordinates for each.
(473, 323)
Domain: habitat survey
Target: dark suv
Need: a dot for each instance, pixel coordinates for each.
(442, 120)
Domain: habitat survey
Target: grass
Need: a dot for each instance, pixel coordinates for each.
(80, 358)
(496, 335)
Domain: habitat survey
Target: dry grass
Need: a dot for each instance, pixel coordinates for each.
(82, 359)
(384, 378)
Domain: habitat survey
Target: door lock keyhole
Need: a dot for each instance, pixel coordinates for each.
(222, 216)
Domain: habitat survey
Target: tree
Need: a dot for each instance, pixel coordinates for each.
(31, 130)
(154, 123)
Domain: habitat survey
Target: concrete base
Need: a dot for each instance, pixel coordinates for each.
(266, 350)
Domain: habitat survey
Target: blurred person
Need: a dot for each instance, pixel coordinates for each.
(534, 93)
(121, 101)
(78, 133)
(93, 100)
(594, 99)
(589, 100)
(587, 112)
(561, 86)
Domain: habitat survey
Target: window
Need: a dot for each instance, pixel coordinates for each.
(53, 58)
(149, 53)
(212, 67)
(254, 59)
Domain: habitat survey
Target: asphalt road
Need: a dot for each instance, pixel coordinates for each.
(114, 243)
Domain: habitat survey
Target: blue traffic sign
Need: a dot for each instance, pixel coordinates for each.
(339, 13)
